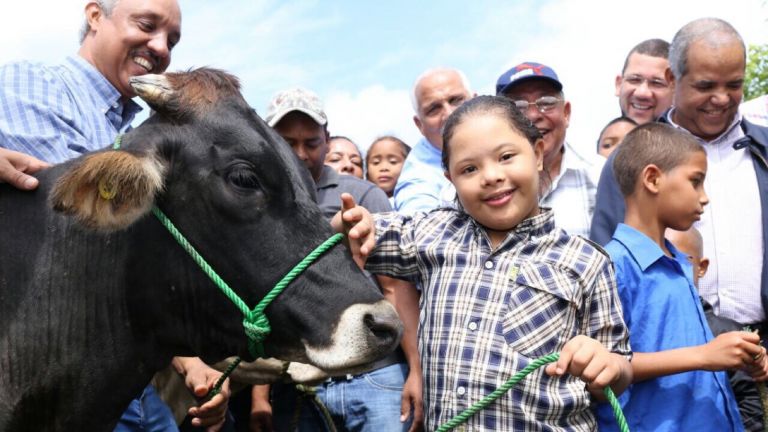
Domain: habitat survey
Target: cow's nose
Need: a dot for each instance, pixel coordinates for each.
(384, 327)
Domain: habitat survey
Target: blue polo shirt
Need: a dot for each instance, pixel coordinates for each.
(663, 312)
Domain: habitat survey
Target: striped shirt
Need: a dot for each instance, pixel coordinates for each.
(572, 194)
(58, 112)
(486, 314)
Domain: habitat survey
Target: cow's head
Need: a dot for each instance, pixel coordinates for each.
(245, 202)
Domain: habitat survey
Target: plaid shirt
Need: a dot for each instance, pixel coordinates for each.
(58, 112)
(572, 194)
(486, 314)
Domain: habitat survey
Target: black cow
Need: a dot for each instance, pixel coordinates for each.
(96, 296)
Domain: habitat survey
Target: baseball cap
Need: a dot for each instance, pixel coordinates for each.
(295, 99)
(525, 72)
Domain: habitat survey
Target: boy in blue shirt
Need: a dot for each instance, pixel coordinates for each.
(676, 383)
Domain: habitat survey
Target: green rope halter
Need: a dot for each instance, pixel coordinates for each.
(255, 322)
(541, 361)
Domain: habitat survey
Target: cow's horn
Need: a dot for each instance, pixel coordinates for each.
(155, 89)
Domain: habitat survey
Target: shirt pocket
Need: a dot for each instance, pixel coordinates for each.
(540, 309)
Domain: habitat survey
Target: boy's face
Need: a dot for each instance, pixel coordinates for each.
(681, 195)
(496, 173)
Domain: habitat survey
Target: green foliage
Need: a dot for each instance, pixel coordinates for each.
(756, 78)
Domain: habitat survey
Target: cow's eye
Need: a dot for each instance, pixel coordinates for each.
(244, 178)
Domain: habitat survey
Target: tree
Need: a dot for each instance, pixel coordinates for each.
(756, 77)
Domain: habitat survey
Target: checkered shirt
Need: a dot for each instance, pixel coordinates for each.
(486, 314)
(59, 112)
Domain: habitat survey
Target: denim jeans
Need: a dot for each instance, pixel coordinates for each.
(147, 413)
(369, 402)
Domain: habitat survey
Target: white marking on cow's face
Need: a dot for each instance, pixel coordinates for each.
(354, 343)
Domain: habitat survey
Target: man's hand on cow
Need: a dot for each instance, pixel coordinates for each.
(356, 222)
(15, 168)
(200, 379)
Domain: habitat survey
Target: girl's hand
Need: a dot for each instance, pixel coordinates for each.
(589, 360)
(357, 224)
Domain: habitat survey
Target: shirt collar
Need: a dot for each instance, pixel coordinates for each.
(110, 99)
(328, 178)
(644, 251)
(727, 135)
(541, 224)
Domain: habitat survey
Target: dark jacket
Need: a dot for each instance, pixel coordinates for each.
(609, 205)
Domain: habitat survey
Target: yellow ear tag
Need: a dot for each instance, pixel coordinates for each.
(107, 189)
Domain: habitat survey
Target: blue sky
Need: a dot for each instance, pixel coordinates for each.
(362, 57)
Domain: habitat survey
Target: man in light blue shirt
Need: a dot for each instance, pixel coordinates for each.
(422, 185)
(55, 113)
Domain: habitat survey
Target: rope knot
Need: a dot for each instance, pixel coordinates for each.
(256, 329)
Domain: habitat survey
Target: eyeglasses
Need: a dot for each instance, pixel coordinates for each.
(543, 104)
(653, 83)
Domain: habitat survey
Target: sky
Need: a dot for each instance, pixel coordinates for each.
(362, 57)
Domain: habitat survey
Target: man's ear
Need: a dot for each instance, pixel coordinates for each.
(669, 76)
(538, 151)
(619, 80)
(93, 14)
(109, 190)
(703, 266)
(651, 178)
(417, 122)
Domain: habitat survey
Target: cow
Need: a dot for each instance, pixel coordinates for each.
(96, 296)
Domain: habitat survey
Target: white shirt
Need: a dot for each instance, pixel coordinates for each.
(756, 110)
(732, 230)
(572, 194)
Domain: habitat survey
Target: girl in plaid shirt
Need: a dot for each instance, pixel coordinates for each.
(501, 286)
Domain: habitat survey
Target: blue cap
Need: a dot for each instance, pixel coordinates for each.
(525, 72)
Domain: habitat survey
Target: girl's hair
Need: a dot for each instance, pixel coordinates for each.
(499, 106)
(405, 148)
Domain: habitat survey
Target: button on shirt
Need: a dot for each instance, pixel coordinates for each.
(572, 193)
(663, 312)
(58, 112)
(538, 289)
(732, 230)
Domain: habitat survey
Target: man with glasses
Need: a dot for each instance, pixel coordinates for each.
(644, 93)
(572, 179)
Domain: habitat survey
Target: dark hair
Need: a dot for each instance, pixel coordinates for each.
(345, 138)
(653, 143)
(618, 119)
(650, 47)
(498, 105)
(405, 148)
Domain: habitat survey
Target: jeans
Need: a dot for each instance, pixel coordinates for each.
(147, 413)
(369, 402)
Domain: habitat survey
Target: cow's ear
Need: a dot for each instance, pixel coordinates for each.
(109, 190)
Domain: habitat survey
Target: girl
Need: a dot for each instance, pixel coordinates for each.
(384, 162)
(501, 286)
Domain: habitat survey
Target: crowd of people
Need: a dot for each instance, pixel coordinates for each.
(644, 264)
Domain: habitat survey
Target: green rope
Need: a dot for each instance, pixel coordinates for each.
(255, 322)
(549, 358)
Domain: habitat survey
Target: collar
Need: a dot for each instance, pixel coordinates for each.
(539, 225)
(110, 99)
(725, 136)
(644, 251)
(328, 178)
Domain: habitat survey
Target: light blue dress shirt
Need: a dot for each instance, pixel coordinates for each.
(59, 112)
(421, 180)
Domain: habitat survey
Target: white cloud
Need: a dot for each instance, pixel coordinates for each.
(370, 113)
